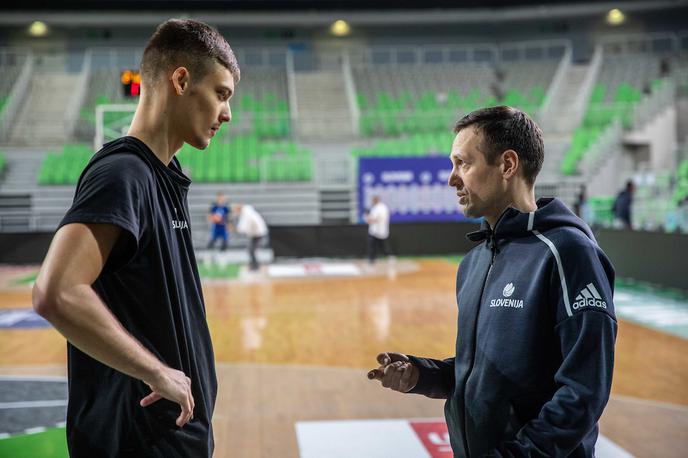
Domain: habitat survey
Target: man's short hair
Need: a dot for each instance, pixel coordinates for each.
(186, 43)
(504, 128)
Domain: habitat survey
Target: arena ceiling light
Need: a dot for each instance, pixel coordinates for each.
(615, 17)
(38, 29)
(340, 28)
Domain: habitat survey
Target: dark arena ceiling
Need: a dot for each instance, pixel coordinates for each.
(291, 5)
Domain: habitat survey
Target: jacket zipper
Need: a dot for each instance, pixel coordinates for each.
(475, 342)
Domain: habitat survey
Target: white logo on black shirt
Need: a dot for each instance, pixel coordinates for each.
(179, 223)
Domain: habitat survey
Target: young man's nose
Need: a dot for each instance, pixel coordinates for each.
(226, 115)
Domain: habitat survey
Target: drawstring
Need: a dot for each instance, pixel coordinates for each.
(487, 235)
(479, 236)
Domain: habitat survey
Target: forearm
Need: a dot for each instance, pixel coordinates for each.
(78, 314)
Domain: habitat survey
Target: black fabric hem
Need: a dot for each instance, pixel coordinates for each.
(113, 263)
(98, 219)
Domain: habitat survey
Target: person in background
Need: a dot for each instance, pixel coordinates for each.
(580, 203)
(622, 205)
(218, 217)
(250, 223)
(378, 229)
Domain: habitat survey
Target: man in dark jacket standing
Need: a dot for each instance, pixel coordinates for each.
(536, 329)
(623, 204)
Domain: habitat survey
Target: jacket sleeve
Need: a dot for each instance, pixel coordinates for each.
(436, 379)
(586, 332)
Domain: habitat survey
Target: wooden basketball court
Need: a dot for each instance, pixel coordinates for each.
(298, 349)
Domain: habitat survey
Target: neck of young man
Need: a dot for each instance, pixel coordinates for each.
(153, 126)
(523, 201)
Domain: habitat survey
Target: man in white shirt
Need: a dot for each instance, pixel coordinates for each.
(253, 225)
(378, 229)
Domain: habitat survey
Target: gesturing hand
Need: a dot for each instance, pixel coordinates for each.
(396, 371)
(174, 386)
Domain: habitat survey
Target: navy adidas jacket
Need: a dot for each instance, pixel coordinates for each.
(535, 343)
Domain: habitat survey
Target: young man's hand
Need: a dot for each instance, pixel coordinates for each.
(174, 386)
(396, 372)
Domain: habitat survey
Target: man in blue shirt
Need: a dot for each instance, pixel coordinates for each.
(218, 215)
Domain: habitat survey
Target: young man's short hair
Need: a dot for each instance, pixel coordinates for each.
(504, 128)
(186, 43)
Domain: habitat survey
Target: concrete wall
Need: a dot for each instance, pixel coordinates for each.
(660, 136)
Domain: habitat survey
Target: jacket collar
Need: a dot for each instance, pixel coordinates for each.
(515, 223)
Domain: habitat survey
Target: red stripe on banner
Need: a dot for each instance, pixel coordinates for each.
(434, 436)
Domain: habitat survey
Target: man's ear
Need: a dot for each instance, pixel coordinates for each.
(510, 163)
(180, 80)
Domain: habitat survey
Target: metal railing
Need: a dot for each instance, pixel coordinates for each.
(262, 56)
(630, 43)
(491, 53)
(18, 93)
(291, 90)
(599, 151)
(533, 50)
(565, 190)
(79, 96)
(129, 57)
(555, 86)
(581, 103)
(120, 57)
(421, 55)
(655, 103)
(350, 87)
(13, 56)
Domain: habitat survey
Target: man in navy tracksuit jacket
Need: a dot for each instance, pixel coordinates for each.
(536, 324)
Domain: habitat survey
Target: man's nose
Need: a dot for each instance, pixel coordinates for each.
(455, 180)
(226, 116)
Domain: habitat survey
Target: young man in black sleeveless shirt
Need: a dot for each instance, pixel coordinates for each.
(120, 280)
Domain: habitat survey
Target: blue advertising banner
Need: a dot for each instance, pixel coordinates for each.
(414, 188)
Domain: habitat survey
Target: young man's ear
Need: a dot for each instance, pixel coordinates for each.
(509, 163)
(180, 80)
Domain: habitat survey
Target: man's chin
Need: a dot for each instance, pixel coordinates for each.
(467, 211)
(200, 144)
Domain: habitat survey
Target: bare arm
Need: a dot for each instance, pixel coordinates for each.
(63, 295)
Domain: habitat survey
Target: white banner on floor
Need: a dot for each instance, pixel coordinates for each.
(416, 438)
(313, 270)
